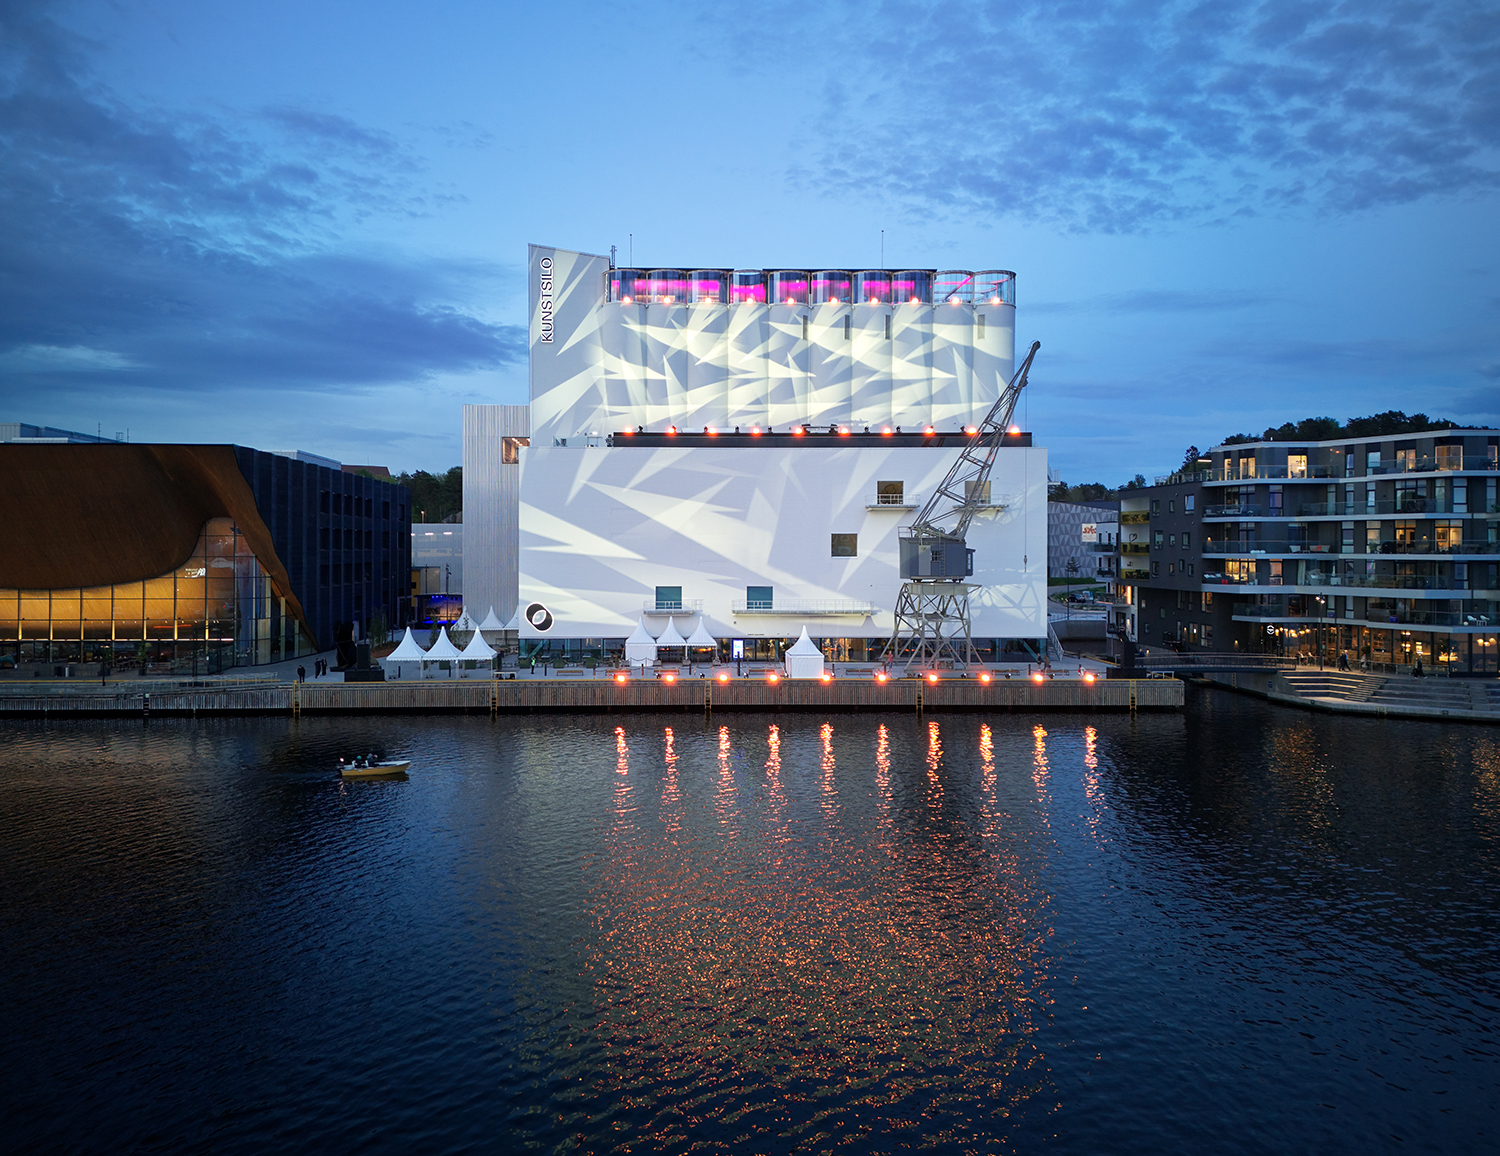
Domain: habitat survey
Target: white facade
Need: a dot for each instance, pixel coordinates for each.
(595, 533)
(602, 529)
(605, 360)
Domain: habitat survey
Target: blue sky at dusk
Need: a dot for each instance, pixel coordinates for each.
(304, 225)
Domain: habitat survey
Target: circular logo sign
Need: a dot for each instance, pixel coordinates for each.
(539, 617)
(1270, 630)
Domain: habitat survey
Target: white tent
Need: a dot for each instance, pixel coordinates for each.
(492, 622)
(464, 623)
(804, 659)
(477, 651)
(701, 639)
(640, 647)
(407, 651)
(443, 649)
(670, 637)
(515, 620)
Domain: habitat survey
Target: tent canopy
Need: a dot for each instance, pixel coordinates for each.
(670, 637)
(491, 621)
(443, 649)
(640, 647)
(515, 620)
(701, 638)
(464, 622)
(478, 649)
(804, 659)
(407, 651)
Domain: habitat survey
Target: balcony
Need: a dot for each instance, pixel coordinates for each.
(1134, 518)
(890, 502)
(1231, 511)
(1267, 546)
(807, 608)
(662, 607)
(1134, 548)
(1128, 575)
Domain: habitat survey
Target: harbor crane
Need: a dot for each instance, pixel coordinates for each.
(932, 611)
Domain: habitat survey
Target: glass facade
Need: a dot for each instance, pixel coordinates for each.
(217, 610)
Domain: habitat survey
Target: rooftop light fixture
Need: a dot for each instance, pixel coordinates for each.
(971, 429)
(932, 677)
(984, 676)
(886, 431)
(723, 676)
(915, 301)
(798, 430)
(994, 301)
(844, 430)
(755, 431)
(625, 300)
(671, 429)
(1014, 429)
(929, 430)
(669, 677)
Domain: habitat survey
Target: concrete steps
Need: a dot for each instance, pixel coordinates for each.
(1432, 693)
(1346, 685)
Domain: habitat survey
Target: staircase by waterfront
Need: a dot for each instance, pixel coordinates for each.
(1349, 686)
(1438, 696)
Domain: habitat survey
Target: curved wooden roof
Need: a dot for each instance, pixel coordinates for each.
(96, 515)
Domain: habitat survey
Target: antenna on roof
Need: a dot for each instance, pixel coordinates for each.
(882, 248)
(612, 256)
(632, 250)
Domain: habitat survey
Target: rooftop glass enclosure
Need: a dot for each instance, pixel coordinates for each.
(217, 610)
(831, 287)
(824, 286)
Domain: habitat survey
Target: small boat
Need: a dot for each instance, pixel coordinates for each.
(373, 770)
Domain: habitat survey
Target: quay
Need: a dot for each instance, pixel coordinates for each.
(585, 695)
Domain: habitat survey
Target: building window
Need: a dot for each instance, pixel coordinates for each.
(1172, 506)
(510, 450)
(1187, 539)
(1172, 540)
(1191, 569)
(979, 332)
(323, 574)
(890, 493)
(1156, 505)
(1208, 602)
(1157, 539)
(385, 511)
(1171, 568)
(804, 327)
(757, 597)
(1156, 569)
(845, 545)
(385, 539)
(848, 328)
(1208, 634)
(887, 326)
(323, 501)
(1188, 503)
(669, 597)
(1296, 465)
(323, 540)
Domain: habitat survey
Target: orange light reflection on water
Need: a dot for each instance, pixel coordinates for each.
(831, 966)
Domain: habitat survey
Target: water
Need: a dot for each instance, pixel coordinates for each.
(1240, 929)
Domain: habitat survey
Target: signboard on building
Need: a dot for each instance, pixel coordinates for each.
(1090, 531)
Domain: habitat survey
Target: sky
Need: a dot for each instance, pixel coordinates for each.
(304, 225)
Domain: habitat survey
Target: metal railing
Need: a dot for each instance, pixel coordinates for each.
(891, 502)
(806, 607)
(680, 606)
(1219, 546)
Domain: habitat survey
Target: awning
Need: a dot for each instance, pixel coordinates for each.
(700, 638)
(670, 637)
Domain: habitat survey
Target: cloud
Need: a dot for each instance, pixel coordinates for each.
(205, 252)
(1157, 301)
(1123, 115)
(1492, 370)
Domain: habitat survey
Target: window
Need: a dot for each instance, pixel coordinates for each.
(323, 574)
(1406, 460)
(978, 492)
(848, 329)
(1372, 460)
(1188, 502)
(757, 597)
(887, 326)
(1157, 539)
(890, 493)
(1156, 571)
(323, 501)
(1191, 569)
(845, 545)
(1296, 465)
(1406, 533)
(349, 503)
(1208, 602)
(323, 540)
(1448, 535)
(385, 511)
(1156, 505)
(979, 332)
(369, 507)
(1172, 506)
(804, 327)
(1247, 467)
(1208, 635)
(1172, 541)
(1187, 539)
(669, 597)
(385, 539)
(510, 450)
(1171, 568)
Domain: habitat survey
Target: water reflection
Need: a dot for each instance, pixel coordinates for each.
(815, 967)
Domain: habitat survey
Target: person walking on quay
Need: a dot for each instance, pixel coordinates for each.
(1344, 660)
(1417, 671)
(301, 674)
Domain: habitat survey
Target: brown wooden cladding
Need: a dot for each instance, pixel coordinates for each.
(98, 515)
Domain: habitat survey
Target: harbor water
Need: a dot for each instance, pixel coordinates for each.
(1235, 929)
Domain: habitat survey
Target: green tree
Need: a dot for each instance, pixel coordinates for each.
(435, 497)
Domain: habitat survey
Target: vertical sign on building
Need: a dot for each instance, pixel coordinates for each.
(544, 295)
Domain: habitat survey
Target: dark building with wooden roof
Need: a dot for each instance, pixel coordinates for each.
(196, 557)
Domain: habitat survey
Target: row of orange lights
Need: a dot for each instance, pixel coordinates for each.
(799, 430)
(880, 676)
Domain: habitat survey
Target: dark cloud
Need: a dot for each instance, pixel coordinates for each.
(1123, 114)
(203, 252)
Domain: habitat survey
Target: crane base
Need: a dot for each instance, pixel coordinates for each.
(932, 626)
